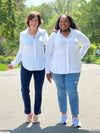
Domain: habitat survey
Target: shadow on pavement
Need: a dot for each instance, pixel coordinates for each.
(59, 128)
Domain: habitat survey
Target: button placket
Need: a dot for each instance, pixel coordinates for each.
(34, 52)
(67, 55)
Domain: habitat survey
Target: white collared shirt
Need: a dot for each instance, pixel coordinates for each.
(63, 55)
(31, 51)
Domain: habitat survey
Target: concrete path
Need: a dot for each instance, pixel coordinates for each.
(12, 117)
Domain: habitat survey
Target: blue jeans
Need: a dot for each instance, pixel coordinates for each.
(38, 82)
(67, 84)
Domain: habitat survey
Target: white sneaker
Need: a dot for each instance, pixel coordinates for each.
(64, 119)
(76, 122)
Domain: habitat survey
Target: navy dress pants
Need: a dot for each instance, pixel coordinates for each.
(38, 83)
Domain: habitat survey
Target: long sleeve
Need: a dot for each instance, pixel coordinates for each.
(84, 42)
(45, 37)
(48, 54)
(16, 61)
(63, 55)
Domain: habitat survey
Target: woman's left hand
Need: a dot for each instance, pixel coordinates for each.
(54, 30)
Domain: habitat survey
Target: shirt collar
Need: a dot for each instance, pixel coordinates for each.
(62, 35)
(38, 31)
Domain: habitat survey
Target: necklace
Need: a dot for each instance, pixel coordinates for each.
(31, 32)
(65, 33)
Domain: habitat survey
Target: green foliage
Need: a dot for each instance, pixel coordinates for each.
(87, 17)
(13, 14)
(6, 60)
(91, 50)
(7, 18)
(97, 61)
(60, 6)
(10, 48)
(91, 59)
(2, 58)
(51, 24)
(46, 13)
(3, 67)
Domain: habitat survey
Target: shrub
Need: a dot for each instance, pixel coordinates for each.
(2, 58)
(9, 59)
(97, 61)
(91, 50)
(91, 59)
(6, 60)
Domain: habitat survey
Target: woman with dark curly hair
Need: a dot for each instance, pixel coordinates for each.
(63, 64)
(31, 55)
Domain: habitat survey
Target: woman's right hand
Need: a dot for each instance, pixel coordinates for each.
(9, 66)
(49, 77)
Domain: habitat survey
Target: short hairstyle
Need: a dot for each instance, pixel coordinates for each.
(32, 15)
(73, 24)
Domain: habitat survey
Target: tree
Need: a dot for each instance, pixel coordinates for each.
(13, 13)
(7, 18)
(87, 16)
(11, 23)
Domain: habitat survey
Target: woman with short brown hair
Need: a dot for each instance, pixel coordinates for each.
(31, 55)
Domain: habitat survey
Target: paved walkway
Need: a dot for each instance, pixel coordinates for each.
(12, 117)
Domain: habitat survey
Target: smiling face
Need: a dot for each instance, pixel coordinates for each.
(64, 23)
(34, 22)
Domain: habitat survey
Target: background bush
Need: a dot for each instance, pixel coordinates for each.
(6, 60)
(90, 56)
(91, 50)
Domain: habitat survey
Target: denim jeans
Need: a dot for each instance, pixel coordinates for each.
(67, 84)
(38, 82)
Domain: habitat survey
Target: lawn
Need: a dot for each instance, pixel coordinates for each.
(3, 67)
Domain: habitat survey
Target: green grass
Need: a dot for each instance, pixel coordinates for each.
(3, 67)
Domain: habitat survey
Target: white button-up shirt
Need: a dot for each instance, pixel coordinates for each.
(31, 51)
(63, 55)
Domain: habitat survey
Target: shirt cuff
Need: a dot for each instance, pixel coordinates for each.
(47, 72)
(13, 63)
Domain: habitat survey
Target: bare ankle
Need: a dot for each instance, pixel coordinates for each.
(74, 116)
(64, 113)
(30, 114)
